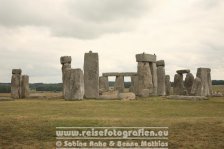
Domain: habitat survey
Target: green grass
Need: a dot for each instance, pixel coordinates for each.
(192, 124)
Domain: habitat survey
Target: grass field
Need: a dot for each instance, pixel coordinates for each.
(192, 124)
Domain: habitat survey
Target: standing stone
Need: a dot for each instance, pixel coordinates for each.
(188, 82)
(119, 84)
(144, 78)
(178, 86)
(205, 75)
(154, 77)
(74, 84)
(168, 85)
(66, 64)
(16, 83)
(196, 87)
(91, 75)
(134, 84)
(161, 90)
(25, 86)
(104, 84)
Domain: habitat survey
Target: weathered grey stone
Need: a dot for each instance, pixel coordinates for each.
(119, 83)
(17, 71)
(145, 57)
(66, 59)
(161, 90)
(181, 97)
(168, 85)
(160, 63)
(104, 84)
(66, 64)
(126, 96)
(119, 74)
(134, 84)
(188, 82)
(178, 85)
(74, 88)
(109, 95)
(91, 75)
(25, 91)
(205, 75)
(15, 86)
(183, 71)
(154, 77)
(145, 93)
(144, 77)
(196, 87)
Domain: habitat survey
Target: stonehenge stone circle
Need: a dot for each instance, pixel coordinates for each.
(188, 82)
(161, 90)
(19, 84)
(74, 84)
(168, 85)
(91, 75)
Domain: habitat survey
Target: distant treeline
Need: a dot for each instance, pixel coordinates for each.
(217, 82)
(56, 87)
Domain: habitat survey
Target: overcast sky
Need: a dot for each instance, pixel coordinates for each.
(34, 34)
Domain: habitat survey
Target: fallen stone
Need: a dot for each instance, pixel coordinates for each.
(145, 58)
(145, 93)
(126, 96)
(183, 71)
(109, 95)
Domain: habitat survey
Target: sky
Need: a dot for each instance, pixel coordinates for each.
(34, 35)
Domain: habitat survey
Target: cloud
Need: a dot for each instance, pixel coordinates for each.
(84, 19)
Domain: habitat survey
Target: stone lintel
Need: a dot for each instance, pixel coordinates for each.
(183, 71)
(66, 59)
(160, 63)
(119, 74)
(16, 71)
(145, 57)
